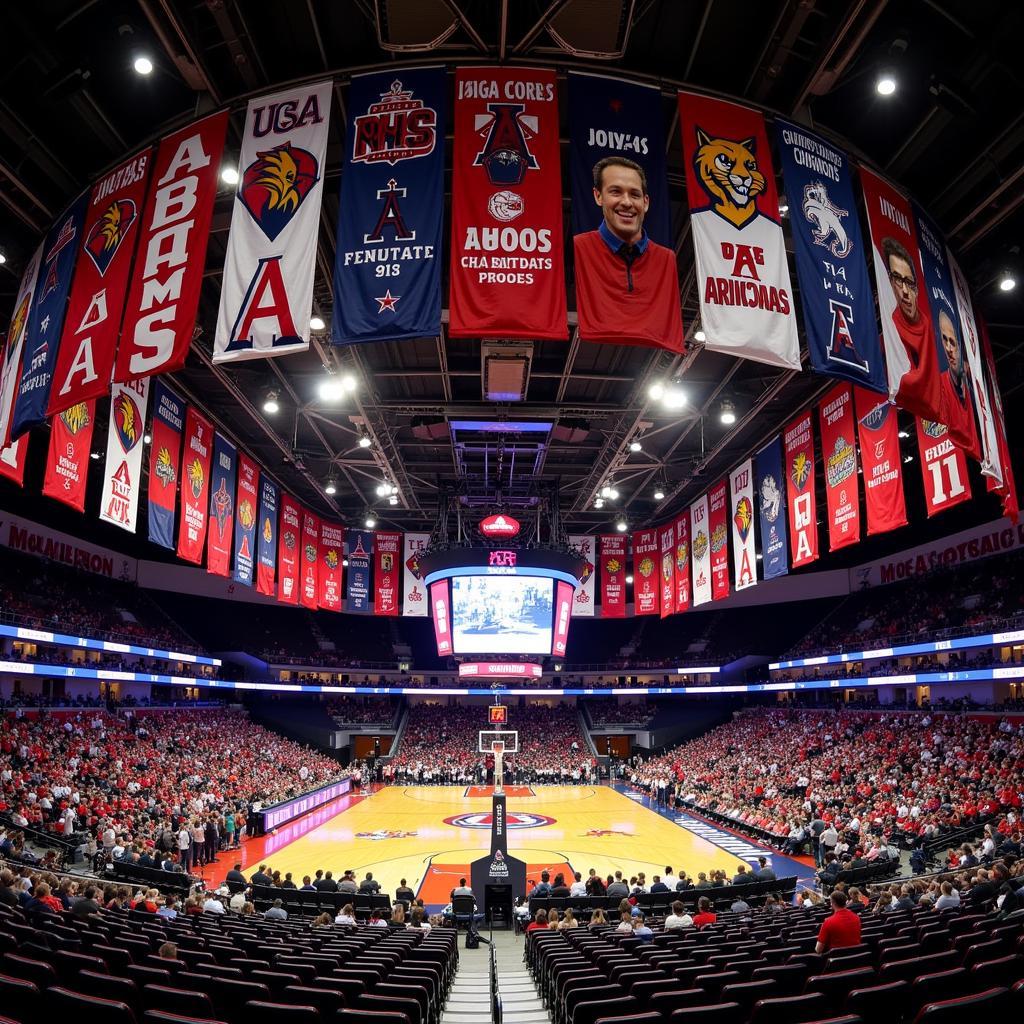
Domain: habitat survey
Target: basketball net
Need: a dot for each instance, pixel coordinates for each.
(498, 749)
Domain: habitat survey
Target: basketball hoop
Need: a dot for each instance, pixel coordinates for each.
(498, 742)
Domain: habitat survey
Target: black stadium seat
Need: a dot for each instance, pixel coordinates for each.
(715, 1013)
(162, 1017)
(20, 997)
(790, 1009)
(280, 1013)
(67, 1005)
(955, 1011)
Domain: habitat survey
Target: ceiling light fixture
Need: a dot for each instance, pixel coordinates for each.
(655, 391)
(3, 259)
(383, 490)
(344, 562)
(659, 492)
(908, 458)
(371, 522)
(143, 65)
(904, 434)
(270, 403)
(393, 500)
(331, 390)
(606, 491)
(674, 397)
(364, 441)
(348, 382)
(1007, 282)
(613, 493)
(316, 323)
(728, 413)
(331, 488)
(699, 336)
(635, 446)
(599, 503)
(229, 175)
(622, 526)
(94, 455)
(886, 84)
(147, 439)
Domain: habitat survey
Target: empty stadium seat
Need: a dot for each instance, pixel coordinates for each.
(790, 1009)
(955, 1011)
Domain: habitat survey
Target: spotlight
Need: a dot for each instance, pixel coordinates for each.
(270, 404)
(331, 488)
(659, 493)
(370, 522)
(760, 557)
(904, 434)
(606, 491)
(908, 458)
(629, 578)
(1007, 282)
(394, 488)
(344, 563)
(143, 65)
(613, 493)
(886, 84)
(783, 209)
(229, 175)
(699, 336)
(383, 490)
(599, 503)
(635, 446)
(622, 526)
(674, 397)
(364, 441)
(348, 382)
(94, 456)
(655, 391)
(331, 390)
(3, 259)
(316, 323)
(147, 439)
(393, 500)
(728, 413)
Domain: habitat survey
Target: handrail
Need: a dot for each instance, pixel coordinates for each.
(38, 622)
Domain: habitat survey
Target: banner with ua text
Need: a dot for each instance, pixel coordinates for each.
(645, 573)
(331, 552)
(943, 467)
(700, 549)
(67, 462)
(387, 555)
(359, 544)
(164, 463)
(682, 573)
(309, 561)
(223, 481)
(583, 604)
(878, 432)
(267, 544)
(839, 458)
(195, 486)
(771, 489)
(613, 575)
(667, 575)
(744, 552)
(798, 443)
(246, 507)
(414, 593)
(289, 550)
(122, 473)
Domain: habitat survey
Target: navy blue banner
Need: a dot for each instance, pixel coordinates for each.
(267, 545)
(771, 492)
(46, 319)
(164, 463)
(835, 290)
(609, 117)
(359, 545)
(387, 272)
(223, 481)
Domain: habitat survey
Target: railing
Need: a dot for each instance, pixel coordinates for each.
(38, 622)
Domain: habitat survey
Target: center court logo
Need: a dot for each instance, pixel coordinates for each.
(514, 819)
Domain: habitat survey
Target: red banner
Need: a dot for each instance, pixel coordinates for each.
(943, 467)
(195, 487)
(645, 573)
(289, 539)
(612, 560)
(718, 527)
(1008, 489)
(839, 458)
(332, 547)
(387, 573)
(12, 461)
(667, 547)
(507, 271)
(878, 431)
(798, 442)
(163, 296)
(309, 591)
(67, 463)
(682, 573)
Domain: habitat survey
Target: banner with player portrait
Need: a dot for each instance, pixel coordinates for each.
(289, 550)
(700, 550)
(414, 593)
(267, 286)
(331, 551)
(88, 343)
(771, 489)
(387, 270)
(122, 472)
(798, 445)
(718, 529)
(246, 507)
(164, 463)
(584, 600)
(835, 291)
(839, 459)
(746, 298)
(645, 572)
(12, 461)
(223, 481)
(613, 575)
(10, 368)
(67, 461)
(878, 432)
(163, 296)
(266, 545)
(682, 569)
(744, 551)
(309, 561)
(195, 486)
(387, 554)
(507, 258)
(943, 467)
(359, 544)
(667, 575)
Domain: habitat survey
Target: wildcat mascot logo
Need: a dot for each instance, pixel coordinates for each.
(275, 184)
(126, 421)
(728, 172)
(108, 232)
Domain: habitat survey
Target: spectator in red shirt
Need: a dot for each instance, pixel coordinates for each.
(841, 929)
(539, 923)
(705, 915)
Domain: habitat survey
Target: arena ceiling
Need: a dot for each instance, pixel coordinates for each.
(71, 105)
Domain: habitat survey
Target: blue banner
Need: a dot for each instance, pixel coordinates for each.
(387, 271)
(223, 479)
(835, 290)
(46, 319)
(359, 546)
(609, 117)
(164, 463)
(267, 544)
(771, 492)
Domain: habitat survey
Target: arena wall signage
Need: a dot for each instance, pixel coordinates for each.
(499, 526)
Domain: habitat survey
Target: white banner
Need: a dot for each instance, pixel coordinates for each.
(414, 593)
(267, 288)
(122, 473)
(700, 551)
(583, 602)
(10, 372)
(744, 553)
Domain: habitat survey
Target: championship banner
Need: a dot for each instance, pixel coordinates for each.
(667, 547)
(195, 486)
(744, 552)
(746, 298)
(267, 543)
(906, 319)
(309, 562)
(718, 528)
(387, 271)
(289, 545)
(12, 461)
(10, 368)
(878, 432)
(682, 573)
(223, 482)
(700, 551)
(1007, 489)
(67, 461)
(164, 463)
(507, 260)
(46, 318)
(246, 504)
(770, 480)
(613, 575)
(798, 444)
(267, 288)
(122, 473)
(839, 459)
(360, 553)
(331, 549)
(943, 467)
(88, 345)
(835, 291)
(583, 604)
(646, 585)
(387, 552)
(414, 594)
(160, 312)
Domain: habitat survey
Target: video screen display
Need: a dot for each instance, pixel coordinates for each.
(502, 614)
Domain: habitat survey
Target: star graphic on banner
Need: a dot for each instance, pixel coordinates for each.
(387, 301)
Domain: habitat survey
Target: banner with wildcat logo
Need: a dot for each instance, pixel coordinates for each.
(645, 572)
(507, 259)
(289, 550)
(835, 291)
(798, 443)
(331, 552)
(164, 463)
(67, 461)
(839, 458)
(584, 599)
(682, 573)
(195, 487)
(613, 575)
(718, 529)
(746, 298)
(387, 269)
(267, 545)
(700, 551)
(309, 561)
(943, 467)
(246, 503)
(878, 432)
(223, 481)
(667, 548)
(267, 287)
(414, 593)
(770, 480)
(388, 550)
(16, 331)
(744, 552)
(359, 544)
(122, 472)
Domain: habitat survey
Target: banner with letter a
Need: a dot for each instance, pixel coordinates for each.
(744, 552)
(359, 544)
(507, 261)
(798, 442)
(267, 288)
(10, 368)
(223, 482)
(331, 552)
(667, 580)
(682, 573)
(12, 461)
(771, 489)
(414, 593)
(943, 467)
(387, 271)
(835, 290)
(700, 551)
(122, 473)
(718, 527)
(645, 572)
(96, 304)
(267, 545)
(387, 552)
(583, 604)
(879, 434)
(289, 549)
(613, 575)
(839, 458)
(309, 562)
(195, 486)
(746, 298)
(164, 463)
(246, 504)
(160, 312)
(67, 462)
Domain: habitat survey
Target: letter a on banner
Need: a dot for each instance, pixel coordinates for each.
(798, 441)
(583, 601)
(839, 455)
(741, 490)
(267, 289)
(122, 472)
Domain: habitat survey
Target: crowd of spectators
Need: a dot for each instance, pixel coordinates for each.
(361, 710)
(606, 711)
